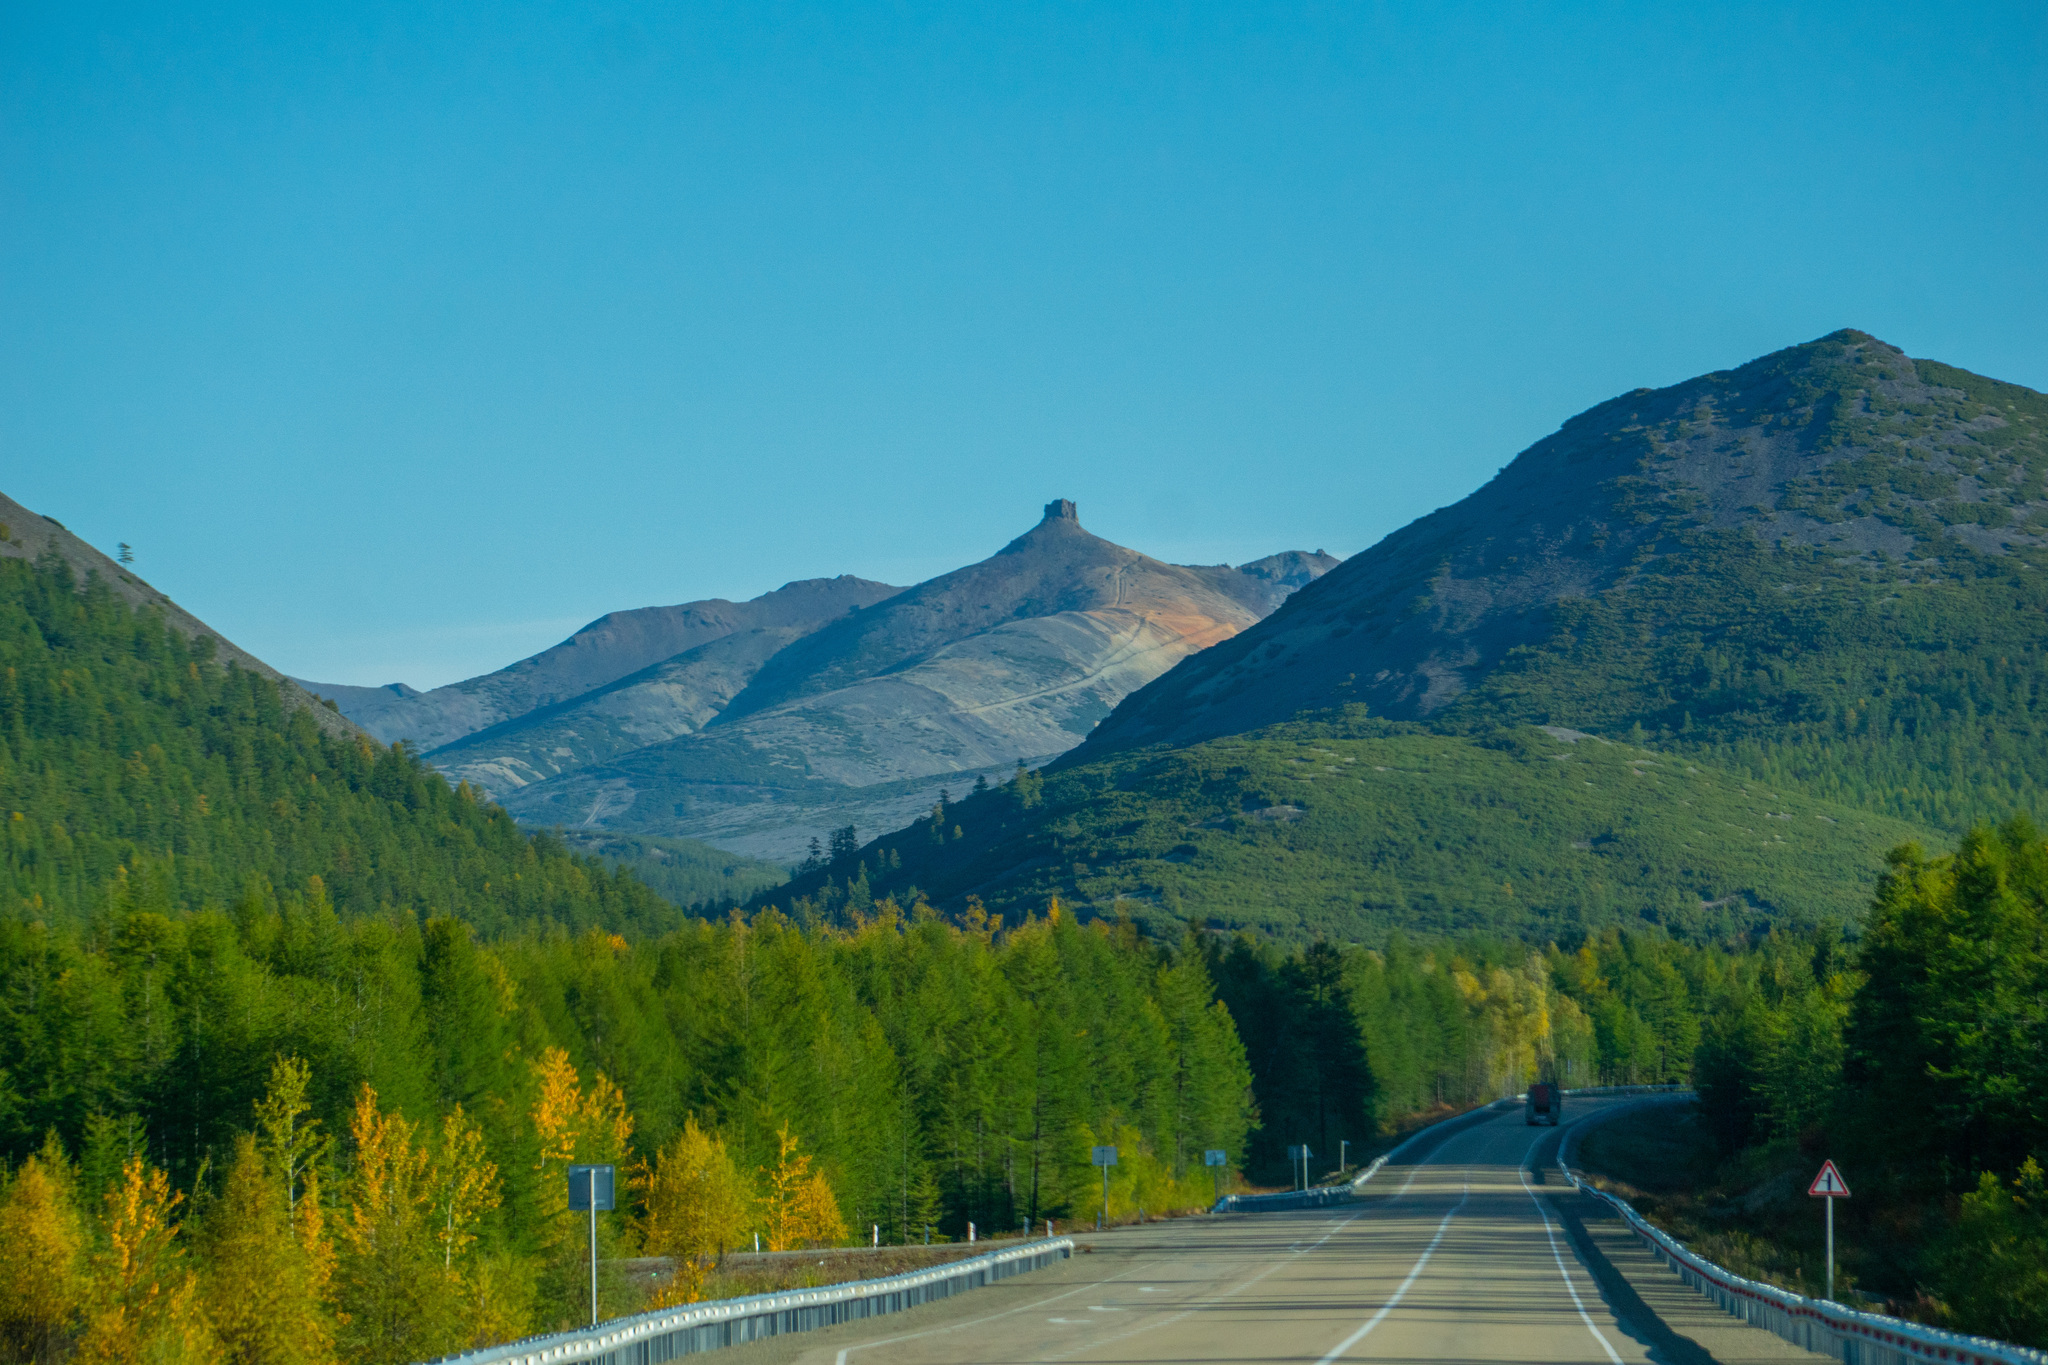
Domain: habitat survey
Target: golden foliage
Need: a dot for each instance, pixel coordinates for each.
(292, 1143)
(694, 1204)
(399, 1301)
(465, 1185)
(388, 1185)
(818, 1221)
(558, 1107)
(576, 1126)
(799, 1208)
(42, 1280)
(263, 1291)
(144, 1304)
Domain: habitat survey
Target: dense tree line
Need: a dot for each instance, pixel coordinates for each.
(935, 1074)
(1916, 1059)
(1349, 1045)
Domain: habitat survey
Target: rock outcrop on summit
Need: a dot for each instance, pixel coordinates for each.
(759, 726)
(1844, 447)
(865, 719)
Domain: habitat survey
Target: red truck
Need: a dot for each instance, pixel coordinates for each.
(1546, 1104)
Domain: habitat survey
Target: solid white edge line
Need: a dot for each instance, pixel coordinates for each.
(1558, 1256)
(1360, 1335)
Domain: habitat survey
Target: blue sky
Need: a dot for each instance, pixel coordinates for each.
(399, 340)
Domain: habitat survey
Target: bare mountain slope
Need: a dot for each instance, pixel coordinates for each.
(1017, 656)
(30, 535)
(612, 647)
(1842, 451)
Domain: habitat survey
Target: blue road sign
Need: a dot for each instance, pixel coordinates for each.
(590, 1187)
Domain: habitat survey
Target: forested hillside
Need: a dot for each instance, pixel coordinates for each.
(1356, 829)
(138, 774)
(284, 1019)
(1798, 601)
(1829, 558)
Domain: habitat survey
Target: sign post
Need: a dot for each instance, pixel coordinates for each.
(1105, 1157)
(1214, 1159)
(1829, 1186)
(1301, 1153)
(590, 1187)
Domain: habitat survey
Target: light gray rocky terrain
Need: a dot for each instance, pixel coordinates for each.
(594, 661)
(758, 726)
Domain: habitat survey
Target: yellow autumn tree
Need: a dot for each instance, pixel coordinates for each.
(264, 1293)
(465, 1186)
(1513, 1008)
(42, 1257)
(798, 1207)
(144, 1304)
(694, 1204)
(398, 1302)
(818, 1221)
(576, 1126)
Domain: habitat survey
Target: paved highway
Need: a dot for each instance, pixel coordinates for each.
(1465, 1255)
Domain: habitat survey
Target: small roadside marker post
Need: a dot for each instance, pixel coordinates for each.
(1829, 1186)
(590, 1187)
(1214, 1158)
(1105, 1157)
(1301, 1153)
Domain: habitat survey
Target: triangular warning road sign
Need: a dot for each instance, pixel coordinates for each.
(1829, 1183)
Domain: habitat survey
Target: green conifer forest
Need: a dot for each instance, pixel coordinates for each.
(281, 1008)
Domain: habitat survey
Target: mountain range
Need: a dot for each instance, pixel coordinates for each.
(1803, 594)
(763, 725)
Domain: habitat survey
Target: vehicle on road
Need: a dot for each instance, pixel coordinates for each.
(1545, 1105)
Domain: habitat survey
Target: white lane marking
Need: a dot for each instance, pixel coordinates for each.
(1232, 1292)
(1577, 1302)
(1377, 1318)
(840, 1359)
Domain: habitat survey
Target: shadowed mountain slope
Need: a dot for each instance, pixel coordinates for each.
(614, 646)
(1015, 657)
(1831, 545)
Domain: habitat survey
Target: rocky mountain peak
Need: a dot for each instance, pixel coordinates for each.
(1062, 509)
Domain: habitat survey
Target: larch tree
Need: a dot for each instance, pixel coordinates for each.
(694, 1204)
(398, 1303)
(145, 1302)
(42, 1274)
(263, 1291)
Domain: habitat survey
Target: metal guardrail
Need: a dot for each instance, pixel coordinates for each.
(648, 1338)
(1818, 1325)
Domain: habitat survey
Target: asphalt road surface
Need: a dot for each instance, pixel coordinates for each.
(1465, 1255)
